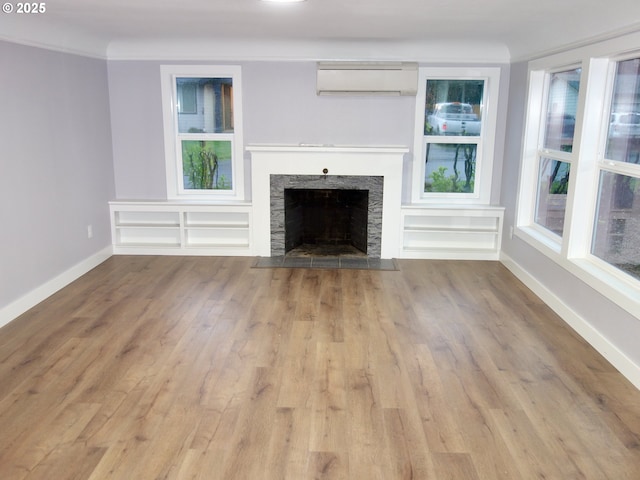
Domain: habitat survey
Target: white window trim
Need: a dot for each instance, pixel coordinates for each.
(486, 140)
(169, 73)
(533, 151)
(573, 253)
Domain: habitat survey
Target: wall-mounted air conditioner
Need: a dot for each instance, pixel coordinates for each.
(367, 78)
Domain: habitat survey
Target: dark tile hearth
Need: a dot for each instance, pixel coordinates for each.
(326, 250)
(326, 261)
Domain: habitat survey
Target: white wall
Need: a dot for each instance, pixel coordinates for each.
(56, 165)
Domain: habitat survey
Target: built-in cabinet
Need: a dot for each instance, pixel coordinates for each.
(464, 232)
(181, 228)
(185, 228)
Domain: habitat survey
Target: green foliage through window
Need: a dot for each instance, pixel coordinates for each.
(206, 164)
(457, 175)
(441, 182)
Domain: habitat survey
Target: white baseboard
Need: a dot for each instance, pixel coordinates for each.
(618, 359)
(24, 303)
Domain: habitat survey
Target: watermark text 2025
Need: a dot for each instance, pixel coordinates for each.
(24, 8)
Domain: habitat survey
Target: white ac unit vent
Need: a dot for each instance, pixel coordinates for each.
(367, 78)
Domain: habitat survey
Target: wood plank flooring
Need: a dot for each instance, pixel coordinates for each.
(204, 368)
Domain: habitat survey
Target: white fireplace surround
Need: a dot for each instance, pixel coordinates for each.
(381, 161)
(160, 227)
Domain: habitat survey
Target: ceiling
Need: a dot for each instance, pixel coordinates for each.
(518, 28)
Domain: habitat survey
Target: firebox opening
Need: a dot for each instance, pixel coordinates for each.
(326, 221)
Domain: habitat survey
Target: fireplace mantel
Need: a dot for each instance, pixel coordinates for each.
(327, 160)
(316, 147)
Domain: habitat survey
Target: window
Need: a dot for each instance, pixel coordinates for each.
(455, 118)
(556, 146)
(187, 96)
(546, 180)
(551, 200)
(579, 194)
(562, 104)
(617, 216)
(202, 142)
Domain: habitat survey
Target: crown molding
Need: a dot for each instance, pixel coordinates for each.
(50, 36)
(308, 50)
(602, 43)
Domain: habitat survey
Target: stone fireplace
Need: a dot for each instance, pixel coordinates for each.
(331, 208)
(375, 170)
(325, 221)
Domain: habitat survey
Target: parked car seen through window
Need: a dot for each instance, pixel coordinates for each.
(453, 118)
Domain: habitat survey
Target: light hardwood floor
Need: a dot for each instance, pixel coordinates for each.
(205, 368)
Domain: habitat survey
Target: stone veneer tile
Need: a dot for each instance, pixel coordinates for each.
(374, 184)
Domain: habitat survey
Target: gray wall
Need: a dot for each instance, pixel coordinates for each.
(60, 113)
(55, 162)
(615, 324)
(280, 105)
(136, 126)
(76, 132)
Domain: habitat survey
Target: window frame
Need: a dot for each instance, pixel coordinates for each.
(573, 252)
(485, 141)
(172, 135)
(603, 164)
(534, 151)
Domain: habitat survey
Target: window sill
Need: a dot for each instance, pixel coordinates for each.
(617, 286)
(621, 289)
(546, 243)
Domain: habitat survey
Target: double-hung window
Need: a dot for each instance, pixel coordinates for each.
(456, 110)
(203, 131)
(547, 171)
(617, 215)
(579, 193)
